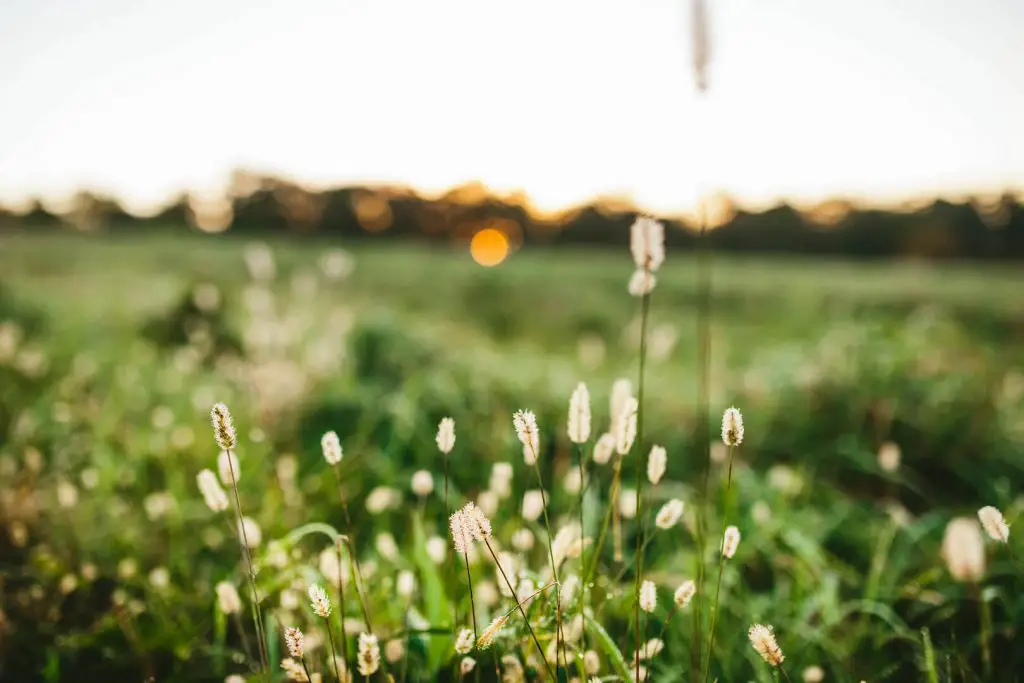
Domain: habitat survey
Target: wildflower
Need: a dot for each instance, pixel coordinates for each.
(523, 540)
(127, 568)
(213, 494)
(732, 427)
(763, 641)
(514, 671)
(293, 670)
(526, 429)
(573, 481)
(486, 638)
(889, 457)
(579, 414)
(684, 593)
(250, 532)
(641, 283)
(651, 649)
(533, 505)
(604, 448)
(319, 601)
(369, 654)
(467, 665)
(814, 674)
(462, 536)
(656, 463)
(627, 503)
(382, 498)
(234, 678)
(446, 435)
(501, 479)
(160, 578)
(963, 549)
(488, 502)
(564, 540)
(591, 662)
(730, 541)
(626, 426)
(477, 522)
(330, 444)
(223, 430)
(228, 469)
(67, 494)
(293, 639)
(648, 596)
(437, 549)
(993, 523)
(464, 642)
(227, 598)
(622, 390)
(406, 584)
(332, 569)
(422, 483)
(647, 243)
(394, 650)
(669, 514)
(69, 582)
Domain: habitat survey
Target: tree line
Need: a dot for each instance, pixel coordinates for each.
(257, 204)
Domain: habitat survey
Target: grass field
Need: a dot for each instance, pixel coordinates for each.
(112, 352)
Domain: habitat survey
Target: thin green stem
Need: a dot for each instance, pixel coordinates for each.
(645, 305)
(334, 651)
(607, 518)
(305, 668)
(511, 588)
(350, 540)
(784, 674)
(551, 556)
(985, 616)
(472, 604)
(583, 546)
(703, 426)
(721, 570)
(341, 604)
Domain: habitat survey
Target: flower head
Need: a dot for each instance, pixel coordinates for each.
(466, 665)
(525, 423)
(641, 283)
(464, 642)
(732, 427)
(319, 601)
(656, 463)
(368, 657)
(669, 514)
(651, 649)
(476, 520)
(446, 435)
(993, 523)
(227, 598)
(330, 444)
(223, 429)
(626, 426)
(293, 639)
(730, 541)
(889, 457)
(647, 242)
(763, 641)
(491, 632)
(213, 494)
(579, 414)
(422, 483)
(648, 596)
(604, 448)
(462, 535)
(963, 549)
(293, 670)
(249, 531)
(533, 504)
(687, 589)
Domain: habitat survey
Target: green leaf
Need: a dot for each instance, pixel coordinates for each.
(434, 599)
(609, 648)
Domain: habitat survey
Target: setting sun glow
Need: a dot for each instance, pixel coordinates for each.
(489, 247)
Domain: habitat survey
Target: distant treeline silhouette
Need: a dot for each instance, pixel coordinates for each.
(260, 205)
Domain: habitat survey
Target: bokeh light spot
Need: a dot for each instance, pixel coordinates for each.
(489, 247)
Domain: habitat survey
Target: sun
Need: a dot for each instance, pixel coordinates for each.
(489, 247)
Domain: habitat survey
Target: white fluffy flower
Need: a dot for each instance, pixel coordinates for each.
(684, 593)
(627, 503)
(994, 524)
(446, 435)
(763, 641)
(579, 414)
(656, 464)
(732, 427)
(464, 642)
(604, 448)
(641, 283)
(889, 457)
(648, 596)
(437, 549)
(422, 483)
(330, 444)
(533, 505)
(730, 541)
(669, 514)
(250, 532)
(525, 423)
(963, 549)
(368, 657)
(227, 598)
(647, 243)
(319, 601)
(215, 497)
(626, 426)
(466, 665)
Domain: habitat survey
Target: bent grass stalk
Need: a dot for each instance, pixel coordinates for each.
(511, 588)
(341, 604)
(551, 556)
(349, 540)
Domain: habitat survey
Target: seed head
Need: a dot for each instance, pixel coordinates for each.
(591, 662)
(651, 649)
(319, 601)
(641, 283)
(476, 521)
(213, 494)
(227, 468)
(648, 596)
(701, 45)
(227, 598)
(491, 632)
(889, 457)
(627, 503)
(405, 585)
(467, 665)
(732, 427)
(422, 483)
(394, 650)
(368, 657)
(293, 670)
(993, 523)
(464, 642)
(579, 414)
(293, 639)
(763, 641)
(462, 535)
(604, 448)
(526, 429)
(446, 435)
(656, 463)
(963, 549)
(687, 589)
(730, 541)
(647, 242)
(533, 505)
(223, 430)
(669, 514)
(626, 426)
(330, 444)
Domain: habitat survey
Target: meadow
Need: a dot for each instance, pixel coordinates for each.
(880, 401)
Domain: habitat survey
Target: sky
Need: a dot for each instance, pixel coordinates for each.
(875, 100)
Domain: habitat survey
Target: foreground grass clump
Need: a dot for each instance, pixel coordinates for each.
(841, 505)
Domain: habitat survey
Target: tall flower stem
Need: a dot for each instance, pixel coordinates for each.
(551, 557)
(583, 546)
(306, 669)
(360, 586)
(721, 569)
(334, 652)
(256, 613)
(512, 590)
(645, 305)
(472, 603)
(341, 604)
(612, 498)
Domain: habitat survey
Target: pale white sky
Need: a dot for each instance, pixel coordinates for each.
(561, 98)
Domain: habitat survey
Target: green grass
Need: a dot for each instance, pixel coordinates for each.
(827, 360)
